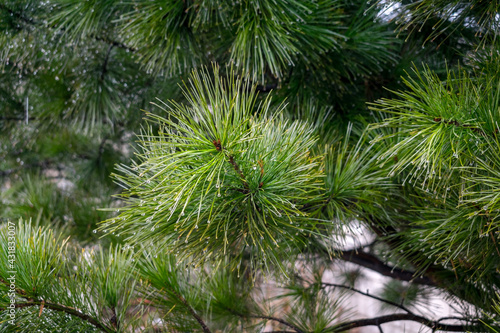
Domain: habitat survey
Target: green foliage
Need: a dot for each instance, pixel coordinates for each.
(480, 15)
(446, 134)
(408, 295)
(354, 184)
(221, 176)
(312, 309)
(92, 287)
(41, 199)
(237, 199)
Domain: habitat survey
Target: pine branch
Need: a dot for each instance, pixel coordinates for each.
(105, 64)
(16, 14)
(18, 291)
(441, 277)
(235, 165)
(114, 43)
(281, 321)
(266, 88)
(41, 164)
(375, 264)
(8, 118)
(193, 313)
(68, 310)
(238, 171)
(432, 324)
(458, 124)
(97, 38)
(334, 285)
(101, 147)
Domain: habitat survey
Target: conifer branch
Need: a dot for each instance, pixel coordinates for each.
(16, 14)
(458, 124)
(192, 312)
(41, 164)
(97, 38)
(8, 118)
(375, 264)
(238, 171)
(68, 310)
(114, 43)
(101, 147)
(334, 285)
(281, 321)
(433, 324)
(105, 64)
(235, 165)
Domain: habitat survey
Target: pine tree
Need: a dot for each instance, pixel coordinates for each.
(199, 166)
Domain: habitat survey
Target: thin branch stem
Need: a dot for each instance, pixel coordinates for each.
(218, 147)
(457, 124)
(114, 43)
(101, 147)
(105, 64)
(191, 310)
(68, 310)
(42, 164)
(8, 118)
(375, 264)
(377, 321)
(14, 13)
(281, 321)
(98, 38)
(238, 171)
(334, 285)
